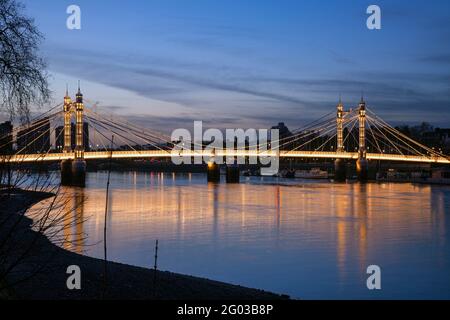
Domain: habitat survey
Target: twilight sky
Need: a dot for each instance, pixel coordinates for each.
(250, 63)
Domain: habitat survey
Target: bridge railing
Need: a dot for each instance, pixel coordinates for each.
(90, 155)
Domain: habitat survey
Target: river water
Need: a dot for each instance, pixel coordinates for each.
(308, 239)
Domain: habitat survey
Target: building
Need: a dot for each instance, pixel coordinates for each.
(439, 139)
(283, 130)
(284, 135)
(6, 141)
(35, 138)
(59, 137)
(87, 146)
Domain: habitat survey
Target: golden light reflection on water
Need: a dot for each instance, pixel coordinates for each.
(351, 222)
(74, 204)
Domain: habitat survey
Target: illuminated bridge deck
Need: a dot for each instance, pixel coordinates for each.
(93, 155)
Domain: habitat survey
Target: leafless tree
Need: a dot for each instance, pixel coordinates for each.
(24, 82)
(24, 254)
(23, 75)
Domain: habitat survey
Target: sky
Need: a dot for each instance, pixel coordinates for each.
(250, 63)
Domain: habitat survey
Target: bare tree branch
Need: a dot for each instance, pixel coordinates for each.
(23, 75)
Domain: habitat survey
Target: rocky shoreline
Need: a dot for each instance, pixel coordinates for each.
(42, 273)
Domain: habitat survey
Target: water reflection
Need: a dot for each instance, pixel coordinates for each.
(307, 239)
(73, 200)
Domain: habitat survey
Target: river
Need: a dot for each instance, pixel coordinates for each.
(308, 239)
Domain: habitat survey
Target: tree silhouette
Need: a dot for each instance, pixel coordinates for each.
(23, 76)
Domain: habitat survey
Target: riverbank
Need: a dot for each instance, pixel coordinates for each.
(41, 274)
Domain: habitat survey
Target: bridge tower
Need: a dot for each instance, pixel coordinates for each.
(362, 166)
(339, 126)
(339, 164)
(67, 123)
(79, 165)
(66, 165)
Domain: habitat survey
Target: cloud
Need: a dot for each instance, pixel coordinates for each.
(176, 79)
(443, 59)
(237, 96)
(115, 108)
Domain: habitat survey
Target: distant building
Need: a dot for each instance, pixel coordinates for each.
(35, 138)
(6, 137)
(283, 130)
(87, 146)
(438, 139)
(59, 137)
(284, 135)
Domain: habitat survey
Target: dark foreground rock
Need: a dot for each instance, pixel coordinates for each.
(41, 271)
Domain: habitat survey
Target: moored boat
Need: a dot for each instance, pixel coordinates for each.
(314, 173)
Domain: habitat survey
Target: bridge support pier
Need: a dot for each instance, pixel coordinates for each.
(232, 174)
(79, 173)
(66, 172)
(362, 169)
(340, 173)
(213, 172)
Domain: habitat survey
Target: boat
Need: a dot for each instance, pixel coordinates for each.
(314, 173)
(438, 176)
(247, 173)
(287, 174)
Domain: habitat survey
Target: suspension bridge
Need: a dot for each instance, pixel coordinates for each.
(355, 134)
